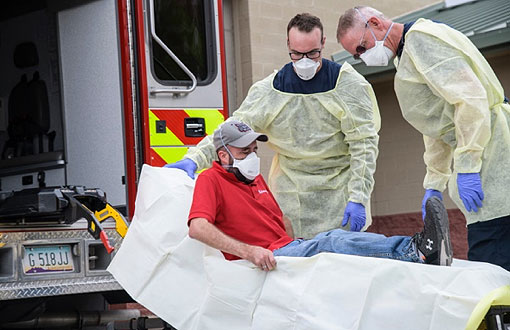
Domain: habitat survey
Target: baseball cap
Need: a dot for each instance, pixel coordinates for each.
(236, 134)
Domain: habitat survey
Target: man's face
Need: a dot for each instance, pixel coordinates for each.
(238, 153)
(359, 38)
(310, 43)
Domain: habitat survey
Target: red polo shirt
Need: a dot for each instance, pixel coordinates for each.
(246, 212)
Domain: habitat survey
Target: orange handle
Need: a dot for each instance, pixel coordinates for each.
(106, 242)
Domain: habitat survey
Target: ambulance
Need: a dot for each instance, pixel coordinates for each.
(90, 91)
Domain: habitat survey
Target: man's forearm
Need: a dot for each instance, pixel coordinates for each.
(202, 230)
(203, 154)
(363, 159)
(438, 159)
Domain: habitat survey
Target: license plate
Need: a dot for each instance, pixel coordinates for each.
(48, 259)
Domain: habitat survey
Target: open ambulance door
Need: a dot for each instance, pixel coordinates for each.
(182, 78)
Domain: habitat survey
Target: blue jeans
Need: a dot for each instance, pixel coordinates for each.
(354, 243)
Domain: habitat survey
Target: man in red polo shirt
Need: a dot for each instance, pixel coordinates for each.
(234, 211)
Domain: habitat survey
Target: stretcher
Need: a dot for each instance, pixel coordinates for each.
(191, 286)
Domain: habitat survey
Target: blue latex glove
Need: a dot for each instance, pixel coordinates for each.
(356, 213)
(186, 164)
(470, 190)
(429, 193)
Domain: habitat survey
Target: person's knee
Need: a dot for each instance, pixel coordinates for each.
(336, 233)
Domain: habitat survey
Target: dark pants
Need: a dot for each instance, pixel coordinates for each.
(489, 241)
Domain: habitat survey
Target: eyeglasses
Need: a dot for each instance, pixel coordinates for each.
(360, 49)
(313, 54)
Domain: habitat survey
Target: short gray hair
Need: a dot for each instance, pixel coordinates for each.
(351, 18)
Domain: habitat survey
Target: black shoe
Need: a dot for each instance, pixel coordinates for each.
(434, 241)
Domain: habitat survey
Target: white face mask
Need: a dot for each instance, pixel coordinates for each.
(249, 166)
(306, 68)
(379, 55)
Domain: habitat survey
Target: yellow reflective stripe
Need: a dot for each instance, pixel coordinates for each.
(167, 138)
(213, 118)
(171, 154)
(497, 297)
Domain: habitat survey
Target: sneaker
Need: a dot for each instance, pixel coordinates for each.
(434, 241)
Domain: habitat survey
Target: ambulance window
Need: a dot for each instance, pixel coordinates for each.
(186, 27)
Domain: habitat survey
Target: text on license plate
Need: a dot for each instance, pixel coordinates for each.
(46, 259)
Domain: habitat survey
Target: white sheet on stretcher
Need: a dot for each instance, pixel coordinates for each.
(191, 286)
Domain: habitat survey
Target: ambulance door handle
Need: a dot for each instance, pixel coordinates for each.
(194, 127)
(171, 90)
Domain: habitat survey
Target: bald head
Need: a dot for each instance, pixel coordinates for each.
(356, 17)
(360, 27)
